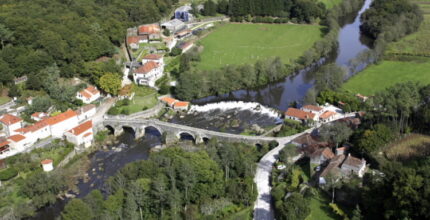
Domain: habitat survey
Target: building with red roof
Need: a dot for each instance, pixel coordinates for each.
(299, 115)
(313, 109)
(81, 135)
(10, 123)
(327, 116)
(153, 57)
(181, 106)
(169, 101)
(135, 41)
(61, 123)
(88, 95)
(150, 31)
(38, 116)
(148, 73)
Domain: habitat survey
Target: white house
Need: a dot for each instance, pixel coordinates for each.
(81, 135)
(327, 116)
(35, 132)
(148, 73)
(135, 41)
(173, 25)
(157, 58)
(299, 115)
(168, 101)
(181, 106)
(47, 165)
(88, 95)
(313, 109)
(86, 112)
(19, 142)
(10, 123)
(62, 122)
(4, 145)
(38, 116)
(353, 165)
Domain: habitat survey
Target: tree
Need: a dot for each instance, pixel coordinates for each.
(110, 83)
(94, 201)
(175, 52)
(293, 207)
(77, 209)
(40, 104)
(14, 91)
(329, 77)
(6, 35)
(336, 132)
(209, 8)
(356, 214)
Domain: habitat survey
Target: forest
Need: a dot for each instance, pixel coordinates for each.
(37, 34)
(209, 181)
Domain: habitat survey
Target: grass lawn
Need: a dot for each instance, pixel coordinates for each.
(330, 3)
(247, 43)
(417, 43)
(244, 214)
(320, 209)
(4, 100)
(144, 98)
(413, 146)
(378, 77)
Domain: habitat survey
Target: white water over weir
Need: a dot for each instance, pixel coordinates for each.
(239, 105)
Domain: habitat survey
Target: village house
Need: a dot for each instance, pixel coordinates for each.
(168, 101)
(47, 165)
(30, 100)
(38, 116)
(35, 132)
(10, 123)
(19, 142)
(88, 95)
(135, 41)
(342, 166)
(150, 31)
(183, 34)
(86, 112)
(61, 123)
(299, 115)
(170, 42)
(321, 156)
(174, 25)
(327, 116)
(81, 135)
(313, 109)
(353, 166)
(4, 145)
(181, 106)
(157, 58)
(186, 46)
(308, 139)
(148, 73)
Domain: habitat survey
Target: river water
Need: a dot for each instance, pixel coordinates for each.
(233, 112)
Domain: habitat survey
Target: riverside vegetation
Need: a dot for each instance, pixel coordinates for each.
(233, 77)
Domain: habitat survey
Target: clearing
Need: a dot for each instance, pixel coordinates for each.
(330, 3)
(376, 78)
(412, 146)
(246, 43)
(4, 100)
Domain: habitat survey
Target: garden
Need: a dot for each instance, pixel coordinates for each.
(144, 98)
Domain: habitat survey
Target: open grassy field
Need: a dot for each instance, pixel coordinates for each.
(330, 3)
(410, 147)
(416, 44)
(378, 77)
(320, 209)
(4, 100)
(247, 43)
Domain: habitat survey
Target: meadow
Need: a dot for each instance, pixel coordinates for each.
(246, 43)
(330, 3)
(413, 146)
(378, 77)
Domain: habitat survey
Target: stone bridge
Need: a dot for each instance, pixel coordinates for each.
(174, 132)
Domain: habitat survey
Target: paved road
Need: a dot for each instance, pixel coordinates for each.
(262, 207)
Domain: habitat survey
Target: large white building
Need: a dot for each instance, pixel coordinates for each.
(62, 122)
(88, 95)
(151, 70)
(81, 135)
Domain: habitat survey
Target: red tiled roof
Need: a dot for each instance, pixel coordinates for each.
(293, 112)
(147, 67)
(326, 152)
(88, 134)
(353, 161)
(46, 161)
(168, 100)
(93, 90)
(37, 114)
(312, 107)
(85, 94)
(9, 119)
(61, 117)
(32, 128)
(149, 29)
(4, 143)
(181, 104)
(327, 114)
(133, 39)
(82, 128)
(17, 137)
(153, 56)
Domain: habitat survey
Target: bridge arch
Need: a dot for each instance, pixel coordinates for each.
(130, 129)
(186, 136)
(154, 130)
(111, 129)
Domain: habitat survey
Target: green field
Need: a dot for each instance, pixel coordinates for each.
(330, 3)
(4, 100)
(320, 209)
(416, 44)
(378, 77)
(247, 43)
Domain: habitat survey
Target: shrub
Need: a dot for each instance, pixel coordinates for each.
(125, 111)
(8, 174)
(175, 52)
(113, 111)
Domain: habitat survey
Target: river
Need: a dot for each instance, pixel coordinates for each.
(215, 112)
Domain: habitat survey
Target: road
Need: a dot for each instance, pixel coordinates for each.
(262, 207)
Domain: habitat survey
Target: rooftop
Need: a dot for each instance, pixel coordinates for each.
(153, 56)
(326, 152)
(61, 117)
(46, 161)
(312, 107)
(147, 67)
(327, 114)
(182, 104)
(9, 119)
(17, 138)
(78, 130)
(293, 112)
(149, 29)
(168, 100)
(353, 161)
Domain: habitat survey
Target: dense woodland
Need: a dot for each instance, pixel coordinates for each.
(209, 182)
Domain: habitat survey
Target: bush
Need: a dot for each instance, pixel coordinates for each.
(113, 111)
(125, 111)
(8, 174)
(175, 52)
